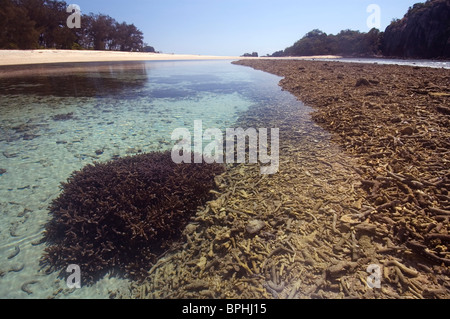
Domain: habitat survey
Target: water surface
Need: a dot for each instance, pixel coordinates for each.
(55, 119)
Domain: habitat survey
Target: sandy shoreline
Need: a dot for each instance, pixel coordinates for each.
(27, 57)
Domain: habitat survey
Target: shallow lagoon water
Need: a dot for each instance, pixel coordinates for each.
(56, 119)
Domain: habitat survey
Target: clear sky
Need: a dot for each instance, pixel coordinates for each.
(235, 27)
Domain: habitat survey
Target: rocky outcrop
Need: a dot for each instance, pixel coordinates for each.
(424, 32)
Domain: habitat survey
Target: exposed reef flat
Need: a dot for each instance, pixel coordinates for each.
(395, 121)
(373, 192)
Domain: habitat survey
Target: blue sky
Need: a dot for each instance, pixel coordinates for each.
(234, 27)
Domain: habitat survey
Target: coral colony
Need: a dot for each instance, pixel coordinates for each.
(119, 216)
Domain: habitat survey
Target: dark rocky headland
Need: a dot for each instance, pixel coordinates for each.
(423, 33)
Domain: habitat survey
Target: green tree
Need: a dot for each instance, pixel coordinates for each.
(314, 42)
(57, 34)
(346, 42)
(373, 41)
(127, 38)
(148, 48)
(350, 42)
(17, 30)
(101, 31)
(29, 24)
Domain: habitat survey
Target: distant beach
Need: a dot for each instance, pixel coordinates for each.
(23, 57)
(26, 57)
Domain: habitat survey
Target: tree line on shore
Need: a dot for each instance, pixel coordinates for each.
(424, 32)
(42, 24)
(347, 42)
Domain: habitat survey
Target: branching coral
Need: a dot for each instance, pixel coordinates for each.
(119, 216)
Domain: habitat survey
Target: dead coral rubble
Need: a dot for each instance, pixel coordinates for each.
(270, 236)
(119, 216)
(394, 120)
(312, 230)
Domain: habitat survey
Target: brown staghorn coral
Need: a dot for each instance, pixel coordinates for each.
(119, 216)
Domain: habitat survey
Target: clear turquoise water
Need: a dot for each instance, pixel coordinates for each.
(111, 110)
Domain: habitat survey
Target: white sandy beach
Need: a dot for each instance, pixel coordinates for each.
(24, 57)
